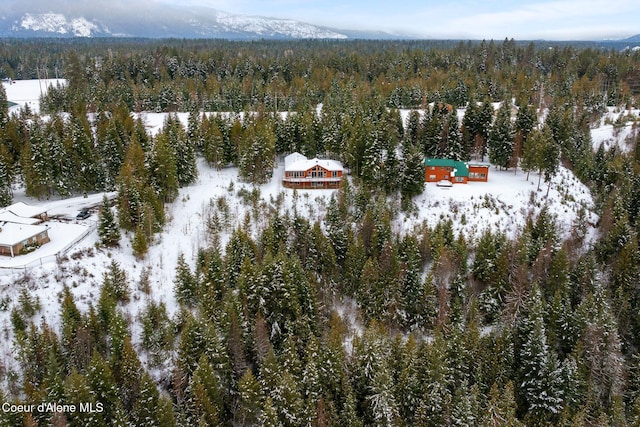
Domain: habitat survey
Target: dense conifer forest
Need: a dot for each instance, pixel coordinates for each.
(533, 329)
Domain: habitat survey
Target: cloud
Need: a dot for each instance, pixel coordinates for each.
(561, 17)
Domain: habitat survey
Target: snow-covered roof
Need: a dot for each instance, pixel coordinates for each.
(7, 216)
(11, 233)
(299, 162)
(25, 211)
(292, 158)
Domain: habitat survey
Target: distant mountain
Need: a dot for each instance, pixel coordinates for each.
(149, 19)
(632, 39)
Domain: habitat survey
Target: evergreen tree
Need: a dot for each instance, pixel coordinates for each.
(184, 151)
(139, 243)
(412, 172)
(186, 285)
(103, 387)
(78, 390)
(147, 411)
(164, 169)
(115, 282)
(6, 193)
(501, 137)
(550, 160)
(540, 388)
(525, 121)
(257, 151)
(250, 398)
(204, 396)
(501, 408)
(213, 143)
(108, 229)
(455, 148)
(531, 152)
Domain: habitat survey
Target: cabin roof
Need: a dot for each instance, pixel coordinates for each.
(459, 168)
(299, 162)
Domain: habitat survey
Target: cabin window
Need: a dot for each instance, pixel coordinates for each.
(459, 179)
(477, 175)
(432, 177)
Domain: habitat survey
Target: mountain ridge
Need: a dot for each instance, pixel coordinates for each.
(156, 20)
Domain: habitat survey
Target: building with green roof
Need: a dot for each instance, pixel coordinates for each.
(454, 171)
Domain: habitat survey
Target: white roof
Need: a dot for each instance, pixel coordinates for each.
(6, 216)
(12, 233)
(24, 210)
(298, 162)
(293, 158)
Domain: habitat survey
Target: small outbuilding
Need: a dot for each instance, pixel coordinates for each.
(301, 172)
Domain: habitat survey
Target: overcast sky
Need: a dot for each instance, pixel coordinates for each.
(478, 19)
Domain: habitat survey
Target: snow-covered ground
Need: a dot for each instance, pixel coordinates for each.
(617, 128)
(28, 92)
(502, 203)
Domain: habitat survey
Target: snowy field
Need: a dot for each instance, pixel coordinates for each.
(612, 134)
(502, 203)
(28, 92)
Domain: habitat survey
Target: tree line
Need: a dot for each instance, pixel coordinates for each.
(527, 329)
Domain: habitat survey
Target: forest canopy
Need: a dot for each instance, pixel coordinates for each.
(529, 329)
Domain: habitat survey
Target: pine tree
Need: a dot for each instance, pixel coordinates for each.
(146, 410)
(78, 390)
(186, 285)
(531, 152)
(525, 121)
(103, 387)
(4, 107)
(250, 398)
(112, 150)
(84, 160)
(501, 137)
(213, 143)
(455, 149)
(108, 229)
(70, 318)
(540, 389)
(269, 415)
(256, 153)
(381, 400)
(185, 155)
(204, 396)
(139, 243)
(411, 172)
(164, 169)
(335, 226)
(550, 160)
(478, 122)
(115, 282)
(501, 408)
(6, 193)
